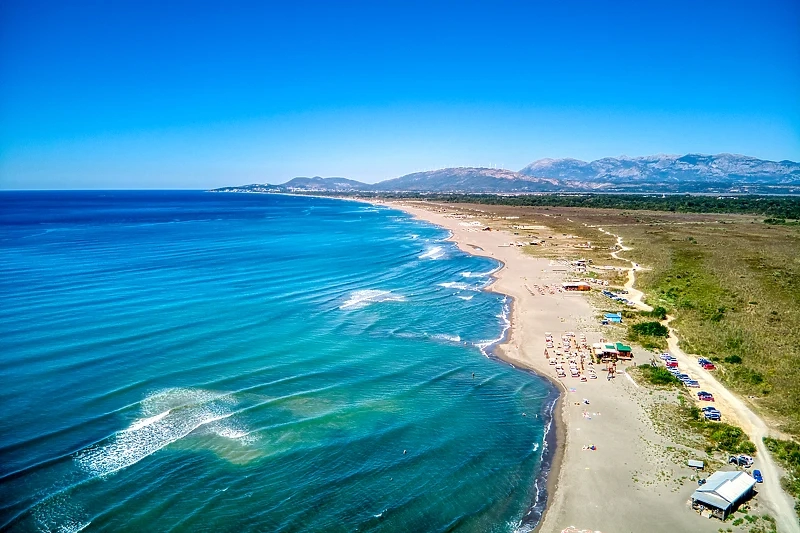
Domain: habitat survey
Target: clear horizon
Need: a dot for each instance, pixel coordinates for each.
(142, 95)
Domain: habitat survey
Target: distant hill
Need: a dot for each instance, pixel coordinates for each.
(672, 173)
(468, 179)
(691, 173)
(324, 184)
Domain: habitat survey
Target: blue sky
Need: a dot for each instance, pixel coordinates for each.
(198, 94)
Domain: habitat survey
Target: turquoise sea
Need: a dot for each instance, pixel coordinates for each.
(191, 361)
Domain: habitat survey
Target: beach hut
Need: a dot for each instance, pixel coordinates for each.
(624, 351)
(723, 492)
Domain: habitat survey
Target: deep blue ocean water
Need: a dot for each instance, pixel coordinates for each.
(190, 361)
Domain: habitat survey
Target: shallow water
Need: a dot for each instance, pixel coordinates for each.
(183, 361)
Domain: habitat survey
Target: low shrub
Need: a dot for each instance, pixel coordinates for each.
(658, 376)
(787, 453)
(652, 329)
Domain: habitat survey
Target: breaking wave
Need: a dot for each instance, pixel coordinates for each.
(433, 252)
(186, 410)
(363, 298)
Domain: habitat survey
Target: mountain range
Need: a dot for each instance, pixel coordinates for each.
(691, 173)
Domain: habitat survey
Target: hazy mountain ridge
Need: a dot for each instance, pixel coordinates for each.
(665, 169)
(690, 173)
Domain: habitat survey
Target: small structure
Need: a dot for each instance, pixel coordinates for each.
(624, 350)
(605, 352)
(723, 492)
(694, 463)
(616, 318)
(576, 286)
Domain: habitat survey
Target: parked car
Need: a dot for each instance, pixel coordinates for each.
(672, 364)
(757, 476)
(692, 383)
(702, 361)
(709, 366)
(705, 396)
(709, 409)
(741, 460)
(715, 417)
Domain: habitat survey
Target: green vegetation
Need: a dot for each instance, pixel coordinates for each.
(653, 329)
(781, 222)
(650, 335)
(736, 298)
(774, 207)
(658, 375)
(719, 435)
(787, 453)
(658, 312)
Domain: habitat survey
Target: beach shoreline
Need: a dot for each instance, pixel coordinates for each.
(556, 425)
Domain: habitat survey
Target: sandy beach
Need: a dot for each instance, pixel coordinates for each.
(628, 483)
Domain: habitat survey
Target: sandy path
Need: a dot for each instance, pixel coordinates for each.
(773, 497)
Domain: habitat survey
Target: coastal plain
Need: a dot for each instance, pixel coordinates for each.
(636, 479)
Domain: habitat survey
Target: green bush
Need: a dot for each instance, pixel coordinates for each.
(730, 439)
(733, 359)
(658, 312)
(658, 375)
(787, 453)
(653, 329)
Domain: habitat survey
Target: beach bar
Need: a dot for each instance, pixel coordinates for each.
(605, 351)
(624, 351)
(576, 286)
(723, 492)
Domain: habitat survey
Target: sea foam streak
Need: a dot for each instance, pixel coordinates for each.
(363, 298)
(506, 325)
(458, 285)
(148, 435)
(433, 252)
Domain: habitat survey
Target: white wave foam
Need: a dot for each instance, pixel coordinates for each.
(363, 298)
(146, 436)
(60, 515)
(457, 285)
(433, 252)
(478, 274)
(231, 429)
(146, 421)
(506, 324)
(466, 297)
(445, 337)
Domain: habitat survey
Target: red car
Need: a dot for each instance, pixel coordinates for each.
(709, 366)
(672, 364)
